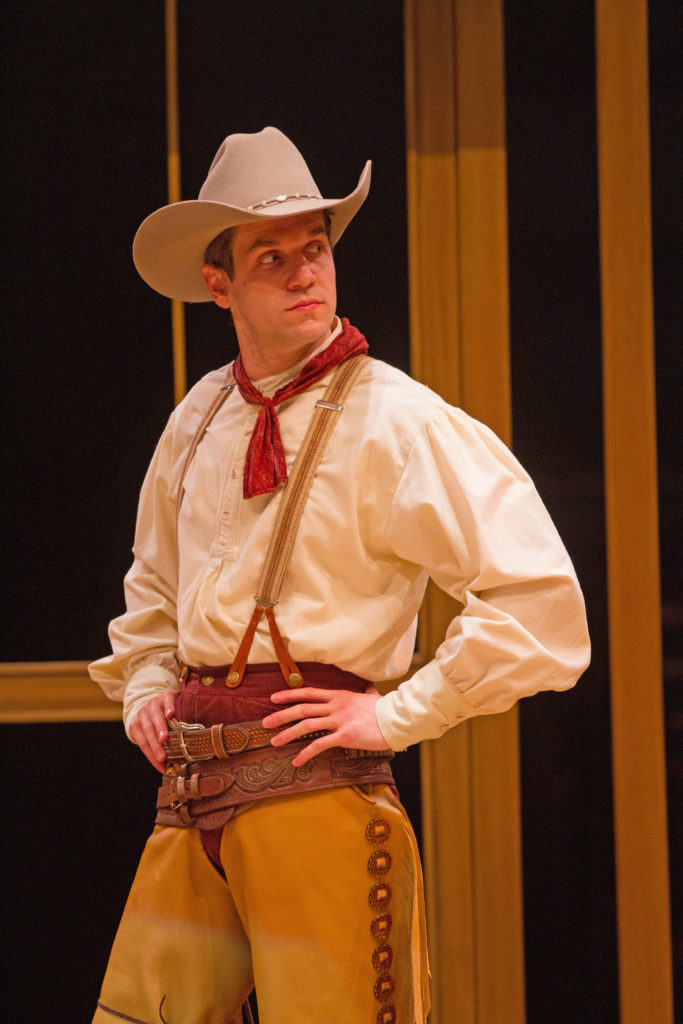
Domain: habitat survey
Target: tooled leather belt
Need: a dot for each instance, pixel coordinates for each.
(213, 770)
(191, 742)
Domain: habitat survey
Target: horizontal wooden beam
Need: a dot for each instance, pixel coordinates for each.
(53, 691)
(62, 691)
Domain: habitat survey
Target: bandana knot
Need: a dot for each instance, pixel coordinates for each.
(265, 466)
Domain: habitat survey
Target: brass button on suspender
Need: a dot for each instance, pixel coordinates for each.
(233, 679)
(295, 679)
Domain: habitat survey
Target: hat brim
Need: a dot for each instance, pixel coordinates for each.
(169, 246)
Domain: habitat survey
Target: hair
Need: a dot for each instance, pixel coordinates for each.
(218, 252)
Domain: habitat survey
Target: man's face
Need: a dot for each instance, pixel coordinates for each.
(283, 290)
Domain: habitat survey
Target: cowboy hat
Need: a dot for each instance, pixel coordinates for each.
(253, 177)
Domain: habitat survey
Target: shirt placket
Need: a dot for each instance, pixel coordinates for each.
(232, 499)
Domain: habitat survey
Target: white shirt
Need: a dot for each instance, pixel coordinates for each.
(408, 488)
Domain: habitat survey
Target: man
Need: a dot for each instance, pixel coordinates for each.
(290, 864)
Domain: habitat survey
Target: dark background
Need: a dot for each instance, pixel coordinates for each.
(87, 388)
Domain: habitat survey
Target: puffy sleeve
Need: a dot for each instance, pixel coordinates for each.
(466, 511)
(144, 640)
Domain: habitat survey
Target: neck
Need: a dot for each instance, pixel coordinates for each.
(262, 360)
(258, 366)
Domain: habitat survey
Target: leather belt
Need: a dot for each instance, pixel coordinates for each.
(205, 795)
(190, 742)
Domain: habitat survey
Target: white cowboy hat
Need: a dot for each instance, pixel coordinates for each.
(252, 177)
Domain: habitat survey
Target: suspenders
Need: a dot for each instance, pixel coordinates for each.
(289, 513)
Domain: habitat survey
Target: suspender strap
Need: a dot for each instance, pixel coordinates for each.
(288, 518)
(194, 444)
(320, 428)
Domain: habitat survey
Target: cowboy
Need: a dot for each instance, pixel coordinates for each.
(295, 507)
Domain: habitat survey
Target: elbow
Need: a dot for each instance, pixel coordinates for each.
(583, 644)
(576, 645)
(584, 657)
(576, 659)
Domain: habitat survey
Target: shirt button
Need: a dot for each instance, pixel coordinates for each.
(234, 472)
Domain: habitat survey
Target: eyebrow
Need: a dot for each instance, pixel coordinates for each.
(273, 243)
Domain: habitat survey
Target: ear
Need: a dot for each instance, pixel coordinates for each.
(218, 283)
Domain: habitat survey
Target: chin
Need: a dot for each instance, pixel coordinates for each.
(316, 325)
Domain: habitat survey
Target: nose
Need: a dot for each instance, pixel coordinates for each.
(302, 274)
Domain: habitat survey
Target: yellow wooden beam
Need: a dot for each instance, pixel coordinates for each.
(631, 510)
(486, 395)
(52, 691)
(432, 194)
(457, 220)
(435, 360)
(173, 161)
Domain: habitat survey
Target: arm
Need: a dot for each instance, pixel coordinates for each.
(465, 510)
(483, 533)
(144, 662)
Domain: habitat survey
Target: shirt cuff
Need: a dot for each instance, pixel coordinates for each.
(144, 684)
(423, 708)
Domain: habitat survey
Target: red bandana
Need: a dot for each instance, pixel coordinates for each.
(265, 466)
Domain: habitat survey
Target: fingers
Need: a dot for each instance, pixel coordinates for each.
(306, 718)
(316, 747)
(321, 701)
(348, 720)
(294, 714)
(294, 696)
(299, 729)
(149, 728)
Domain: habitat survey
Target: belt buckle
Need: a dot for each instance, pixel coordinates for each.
(181, 728)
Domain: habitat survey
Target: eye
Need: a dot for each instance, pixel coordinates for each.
(316, 248)
(269, 258)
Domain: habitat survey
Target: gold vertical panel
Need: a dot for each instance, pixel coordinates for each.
(173, 161)
(482, 214)
(435, 359)
(631, 506)
(432, 194)
(459, 336)
(485, 345)
(447, 825)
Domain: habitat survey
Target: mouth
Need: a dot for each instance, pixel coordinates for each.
(304, 306)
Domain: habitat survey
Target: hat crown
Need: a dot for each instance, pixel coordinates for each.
(251, 168)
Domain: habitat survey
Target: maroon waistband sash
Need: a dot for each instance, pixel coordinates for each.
(205, 697)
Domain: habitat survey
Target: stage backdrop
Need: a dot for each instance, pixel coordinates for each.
(88, 386)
